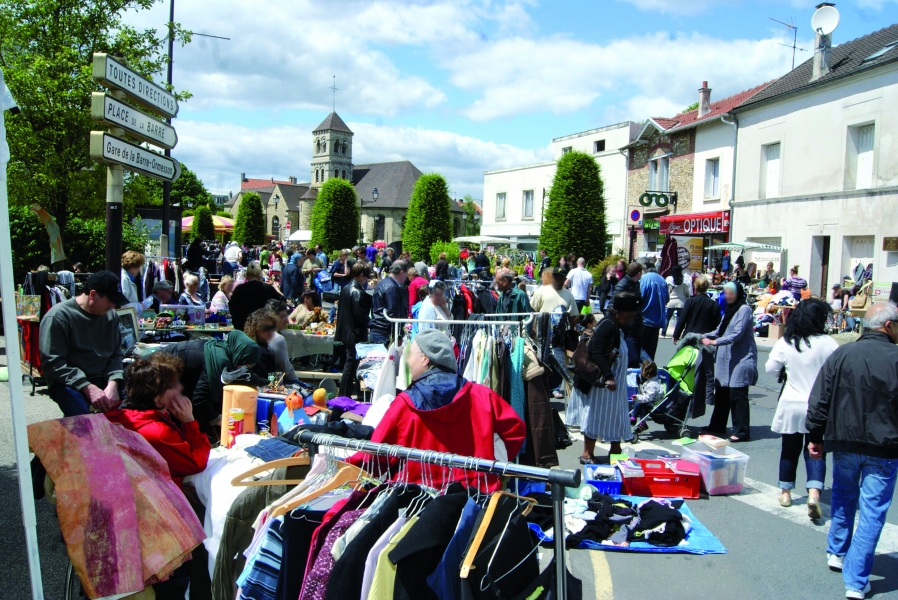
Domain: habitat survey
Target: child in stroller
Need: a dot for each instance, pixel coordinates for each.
(651, 392)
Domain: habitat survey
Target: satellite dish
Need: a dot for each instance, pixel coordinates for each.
(825, 20)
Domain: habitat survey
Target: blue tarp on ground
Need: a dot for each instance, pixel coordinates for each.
(699, 540)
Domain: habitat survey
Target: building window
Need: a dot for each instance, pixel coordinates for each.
(324, 147)
(712, 178)
(859, 161)
(566, 150)
(336, 172)
(316, 175)
(343, 149)
(500, 206)
(318, 145)
(275, 228)
(598, 146)
(770, 170)
(528, 204)
(344, 173)
(323, 174)
(659, 174)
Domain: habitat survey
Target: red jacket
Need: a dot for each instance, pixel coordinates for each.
(183, 446)
(465, 426)
(416, 283)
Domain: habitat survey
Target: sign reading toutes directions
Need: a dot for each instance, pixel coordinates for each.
(110, 149)
(113, 73)
(106, 109)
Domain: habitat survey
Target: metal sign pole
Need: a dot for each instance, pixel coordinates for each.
(115, 183)
(16, 393)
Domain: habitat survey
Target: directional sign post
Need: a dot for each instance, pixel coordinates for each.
(112, 149)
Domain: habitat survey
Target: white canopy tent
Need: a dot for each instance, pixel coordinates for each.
(13, 360)
(483, 239)
(300, 235)
(744, 246)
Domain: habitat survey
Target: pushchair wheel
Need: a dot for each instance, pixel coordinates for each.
(686, 432)
(671, 427)
(635, 437)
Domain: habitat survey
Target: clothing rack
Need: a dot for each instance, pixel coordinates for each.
(557, 478)
(523, 324)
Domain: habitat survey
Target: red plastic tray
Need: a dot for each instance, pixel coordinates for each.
(661, 482)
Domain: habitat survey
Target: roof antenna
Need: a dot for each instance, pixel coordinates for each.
(794, 30)
(335, 88)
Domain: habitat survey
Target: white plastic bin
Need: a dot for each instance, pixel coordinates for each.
(721, 473)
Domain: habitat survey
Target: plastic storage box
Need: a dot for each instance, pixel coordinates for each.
(661, 482)
(722, 473)
(610, 487)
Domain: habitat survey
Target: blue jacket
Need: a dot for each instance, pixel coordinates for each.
(654, 299)
(291, 281)
(393, 297)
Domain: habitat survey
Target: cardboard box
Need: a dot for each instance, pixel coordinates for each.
(775, 332)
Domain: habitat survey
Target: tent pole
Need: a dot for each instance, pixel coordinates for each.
(16, 393)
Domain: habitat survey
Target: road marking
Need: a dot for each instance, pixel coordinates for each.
(766, 498)
(601, 574)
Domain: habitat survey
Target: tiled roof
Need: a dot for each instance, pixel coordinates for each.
(255, 184)
(291, 193)
(333, 122)
(845, 59)
(394, 181)
(721, 107)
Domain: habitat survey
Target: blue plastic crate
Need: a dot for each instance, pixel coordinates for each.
(612, 488)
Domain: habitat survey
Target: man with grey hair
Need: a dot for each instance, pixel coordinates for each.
(853, 414)
(511, 299)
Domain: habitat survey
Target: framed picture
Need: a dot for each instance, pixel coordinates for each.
(127, 324)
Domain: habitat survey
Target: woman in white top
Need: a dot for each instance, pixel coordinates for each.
(800, 353)
(435, 308)
(680, 289)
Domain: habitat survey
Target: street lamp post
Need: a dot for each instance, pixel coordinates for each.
(362, 204)
(464, 219)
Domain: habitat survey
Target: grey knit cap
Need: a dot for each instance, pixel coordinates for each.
(437, 347)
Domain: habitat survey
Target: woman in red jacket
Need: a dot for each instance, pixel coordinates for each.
(444, 412)
(156, 409)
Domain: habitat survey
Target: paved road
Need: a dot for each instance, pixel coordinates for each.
(772, 552)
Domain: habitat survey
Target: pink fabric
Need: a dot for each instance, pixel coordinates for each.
(315, 586)
(125, 523)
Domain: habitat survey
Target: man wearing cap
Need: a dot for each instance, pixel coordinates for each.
(511, 299)
(81, 347)
(390, 295)
(838, 308)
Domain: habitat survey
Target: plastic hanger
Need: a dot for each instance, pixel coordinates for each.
(480, 534)
(293, 461)
(346, 475)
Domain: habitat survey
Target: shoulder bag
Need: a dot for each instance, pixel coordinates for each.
(585, 368)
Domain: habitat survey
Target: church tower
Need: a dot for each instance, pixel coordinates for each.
(331, 151)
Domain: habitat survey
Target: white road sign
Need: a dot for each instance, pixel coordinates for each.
(109, 149)
(106, 109)
(112, 73)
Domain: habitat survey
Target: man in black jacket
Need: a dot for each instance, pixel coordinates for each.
(632, 332)
(853, 413)
(353, 313)
(390, 295)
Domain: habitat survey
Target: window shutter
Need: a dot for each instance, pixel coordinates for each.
(865, 157)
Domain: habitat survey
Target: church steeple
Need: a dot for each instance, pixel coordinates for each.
(331, 150)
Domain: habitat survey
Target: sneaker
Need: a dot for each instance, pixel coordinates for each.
(229, 377)
(641, 427)
(858, 594)
(835, 562)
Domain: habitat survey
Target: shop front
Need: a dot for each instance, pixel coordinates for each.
(695, 233)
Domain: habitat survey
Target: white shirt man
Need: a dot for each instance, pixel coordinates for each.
(579, 281)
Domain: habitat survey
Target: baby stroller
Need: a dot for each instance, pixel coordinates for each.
(675, 408)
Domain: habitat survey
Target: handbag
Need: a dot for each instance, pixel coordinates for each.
(532, 366)
(585, 368)
(861, 299)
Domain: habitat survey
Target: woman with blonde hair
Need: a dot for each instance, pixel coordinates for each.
(132, 263)
(223, 296)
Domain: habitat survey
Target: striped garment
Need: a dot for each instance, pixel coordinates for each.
(259, 579)
(605, 415)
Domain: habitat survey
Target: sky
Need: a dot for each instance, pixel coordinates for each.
(460, 87)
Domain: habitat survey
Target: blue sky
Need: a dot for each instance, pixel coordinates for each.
(462, 86)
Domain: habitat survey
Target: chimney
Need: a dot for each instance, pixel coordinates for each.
(292, 179)
(704, 100)
(243, 176)
(230, 194)
(272, 180)
(823, 43)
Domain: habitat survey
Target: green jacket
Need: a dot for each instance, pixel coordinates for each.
(515, 301)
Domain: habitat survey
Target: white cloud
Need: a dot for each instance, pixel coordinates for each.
(556, 74)
(688, 7)
(219, 152)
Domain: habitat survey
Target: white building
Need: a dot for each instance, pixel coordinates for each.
(817, 163)
(514, 198)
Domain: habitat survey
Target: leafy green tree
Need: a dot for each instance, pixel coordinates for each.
(450, 248)
(46, 49)
(250, 225)
(574, 221)
(335, 216)
(472, 223)
(429, 216)
(691, 107)
(189, 190)
(202, 228)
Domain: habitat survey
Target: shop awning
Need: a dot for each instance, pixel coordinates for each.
(483, 239)
(696, 223)
(745, 246)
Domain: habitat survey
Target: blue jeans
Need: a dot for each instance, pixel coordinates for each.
(70, 401)
(670, 312)
(794, 444)
(378, 338)
(859, 482)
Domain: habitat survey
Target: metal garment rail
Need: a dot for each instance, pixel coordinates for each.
(558, 479)
(523, 323)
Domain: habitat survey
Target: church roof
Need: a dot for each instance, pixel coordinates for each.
(394, 181)
(333, 122)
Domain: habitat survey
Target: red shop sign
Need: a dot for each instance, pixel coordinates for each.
(696, 223)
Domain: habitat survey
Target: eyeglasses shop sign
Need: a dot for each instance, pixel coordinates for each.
(700, 223)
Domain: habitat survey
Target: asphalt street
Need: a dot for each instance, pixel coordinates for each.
(772, 552)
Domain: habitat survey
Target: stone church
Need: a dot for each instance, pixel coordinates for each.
(292, 201)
